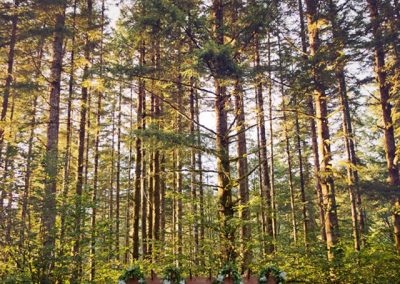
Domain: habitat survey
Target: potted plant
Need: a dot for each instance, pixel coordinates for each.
(271, 275)
(228, 274)
(172, 275)
(132, 275)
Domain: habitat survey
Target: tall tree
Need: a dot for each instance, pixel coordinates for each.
(49, 211)
(384, 92)
(321, 117)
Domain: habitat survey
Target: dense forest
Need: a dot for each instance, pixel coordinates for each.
(199, 133)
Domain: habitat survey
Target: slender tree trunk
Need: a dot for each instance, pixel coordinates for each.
(163, 201)
(261, 216)
(138, 161)
(130, 189)
(29, 158)
(306, 221)
(242, 168)
(49, 210)
(9, 76)
(241, 150)
(111, 190)
(266, 183)
(352, 173)
(9, 177)
(193, 186)
(384, 91)
(145, 197)
(67, 157)
(287, 145)
(200, 181)
(179, 178)
(313, 128)
(76, 275)
(118, 177)
(156, 167)
(150, 202)
(321, 111)
(97, 157)
(222, 147)
(271, 132)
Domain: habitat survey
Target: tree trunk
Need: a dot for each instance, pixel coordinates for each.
(200, 181)
(266, 183)
(193, 187)
(28, 173)
(81, 149)
(222, 147)
(9, 76)
(130, 189)
(49, 210)
(287, 147)
(313, 128)
(352, 172)
(145, 197)
(67, 157)
(156, 166)
(111, 190)
(271, 140)
(138, 161)
(118, 177)
(384, 91)
(242, 169)
(97, 156)
(321, 111)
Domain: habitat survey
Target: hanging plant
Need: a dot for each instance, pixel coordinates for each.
(271, 271)
(228, 269)
(132, 273)
(172, 275)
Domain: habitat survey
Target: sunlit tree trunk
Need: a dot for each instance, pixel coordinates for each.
(321, 113)
(67, 157)
(384, 91)
(76, 274)
(313, 129)
(97, 156)
(9, 76)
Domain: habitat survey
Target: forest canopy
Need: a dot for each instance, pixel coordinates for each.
(199, 137)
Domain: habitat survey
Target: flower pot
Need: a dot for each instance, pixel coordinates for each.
(199, 280)
(132, 281)
(228, 280)
(272, 280)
